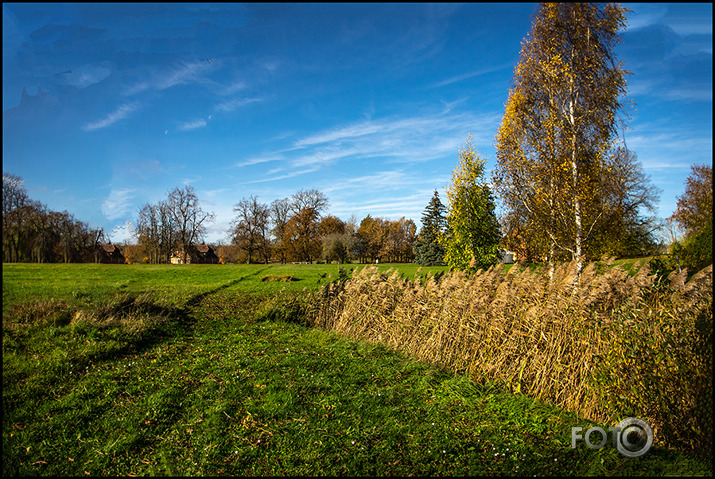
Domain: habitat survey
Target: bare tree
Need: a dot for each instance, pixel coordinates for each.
(183, 208)
(313, 198)
(250, 228)
(14, 215)
(280, 215)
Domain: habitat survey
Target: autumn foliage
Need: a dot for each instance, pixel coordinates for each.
(569, 187)
(695, 216)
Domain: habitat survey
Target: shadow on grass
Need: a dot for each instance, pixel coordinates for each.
(197, 299)
(168, 322)
(125, 325)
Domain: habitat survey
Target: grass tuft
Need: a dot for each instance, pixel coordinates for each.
(286, 278)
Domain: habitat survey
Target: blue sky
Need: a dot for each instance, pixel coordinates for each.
(369, 103)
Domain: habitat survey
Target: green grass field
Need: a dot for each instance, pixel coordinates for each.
(165, 370)
(169, 283)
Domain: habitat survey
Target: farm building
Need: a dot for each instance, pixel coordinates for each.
(197, 254)
(110, 254)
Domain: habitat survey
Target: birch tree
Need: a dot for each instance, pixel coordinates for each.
(560, 122)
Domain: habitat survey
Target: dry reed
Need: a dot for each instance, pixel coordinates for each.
(614, 336)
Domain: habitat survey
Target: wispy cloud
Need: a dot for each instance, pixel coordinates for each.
(119, 114)
(86, 75)
(192, 125)
(411, 139)
(396, 140)
(410, 205)
(236, 103)
(662, 147)
(117, 204)
(692, 22)
(184, 73)
(258, 160)
(645, 15)
(292, 174)
(232, 88)
(476, 73)
(385, 181)
(703, 93)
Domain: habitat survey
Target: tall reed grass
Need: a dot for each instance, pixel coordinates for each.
(618, 345)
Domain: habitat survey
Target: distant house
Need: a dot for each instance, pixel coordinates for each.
(196, 254)
(110, 254)
(206, 254)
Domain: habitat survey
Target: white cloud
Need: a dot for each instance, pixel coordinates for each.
(185, 73)
(381, 181)
(410, 205)
(690, 94)
(259, 160)
(234, 87)
(117, 204)
(645, 15)
(214, 193)
(137, 88)
(122, 233)
(237, 103)
(119, 114)
(292, 174)
(411, 139)
(476, 73)
(192, 125)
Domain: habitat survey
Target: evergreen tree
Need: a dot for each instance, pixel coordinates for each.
(472, 238)
(428, 251)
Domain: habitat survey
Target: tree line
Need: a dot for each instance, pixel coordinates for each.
(293, 229)
(31, 232)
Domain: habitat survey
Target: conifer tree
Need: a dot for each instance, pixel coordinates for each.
(472, 238)
(428, 251)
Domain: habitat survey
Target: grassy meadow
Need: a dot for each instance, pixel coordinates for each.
(260, 370)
